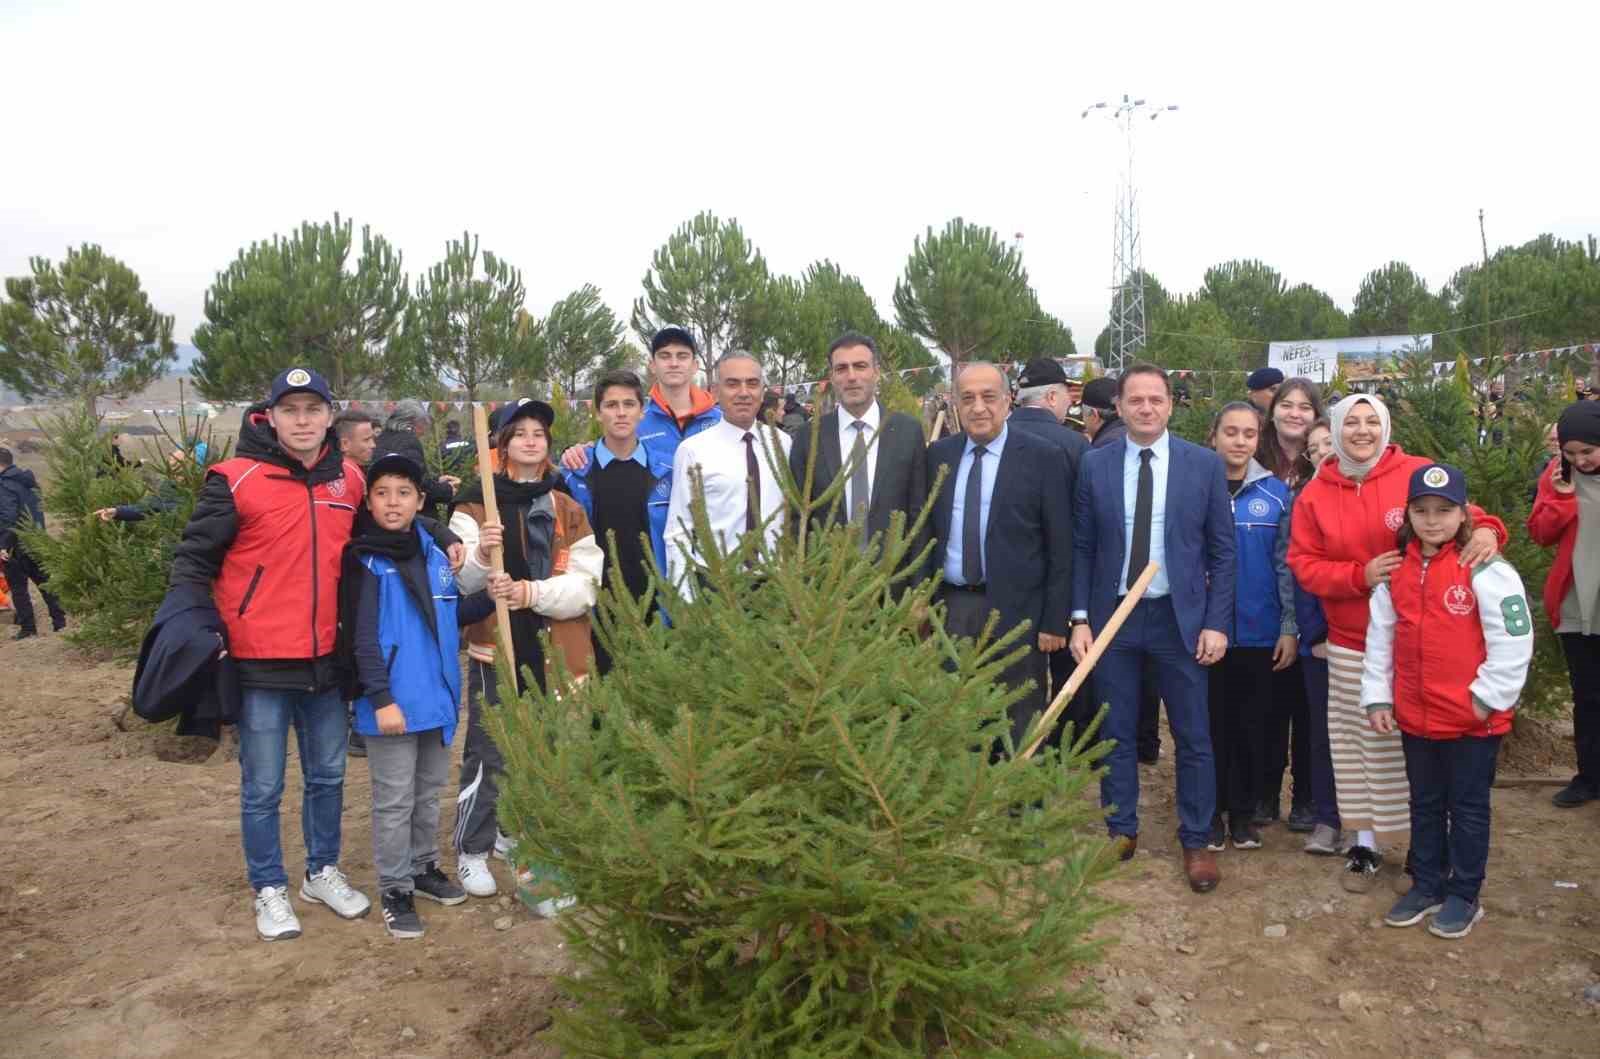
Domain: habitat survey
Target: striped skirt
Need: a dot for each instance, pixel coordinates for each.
(1369, 770)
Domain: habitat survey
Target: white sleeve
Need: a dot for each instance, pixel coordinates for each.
(1377, 676)
(1507, 633)
(679, 533)
(572, 593)
(474, 575)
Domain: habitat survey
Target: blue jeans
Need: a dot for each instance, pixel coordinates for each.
(1450, 781)
(321, 731)
(1151, 632)
(1324, 796)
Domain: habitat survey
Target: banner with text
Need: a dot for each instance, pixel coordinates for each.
(1319, 359)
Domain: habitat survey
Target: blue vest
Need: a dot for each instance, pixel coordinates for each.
(424, 670)
(655, 504)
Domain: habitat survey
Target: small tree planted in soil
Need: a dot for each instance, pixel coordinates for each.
(784, 832)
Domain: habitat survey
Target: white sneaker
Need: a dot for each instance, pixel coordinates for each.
(504, 845)
(275, 918)
(329, 887)
(476, 878)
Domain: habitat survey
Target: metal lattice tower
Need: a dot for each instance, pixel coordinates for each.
(1128, 326)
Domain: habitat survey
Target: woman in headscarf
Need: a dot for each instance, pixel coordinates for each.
(1341, 547)
(552, 556)
(1567, 514)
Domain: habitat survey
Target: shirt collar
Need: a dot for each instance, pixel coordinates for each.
(1159, 446)
(603, 455)
(993, 448)
(869, 417)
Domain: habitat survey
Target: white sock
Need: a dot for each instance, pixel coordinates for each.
(1368, 839)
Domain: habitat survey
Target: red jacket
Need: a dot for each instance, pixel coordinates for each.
(1339, 526)
(1443, 637)
(1554, 520)
(291, 540)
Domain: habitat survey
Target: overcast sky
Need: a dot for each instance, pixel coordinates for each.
(1325, 139)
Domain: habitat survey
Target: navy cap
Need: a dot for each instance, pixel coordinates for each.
(1100, 394)
(524, 407)
(1264, 379)
(1438, 479)
(395, 463)
(1041, 372)
(670, 334)
(299, 380)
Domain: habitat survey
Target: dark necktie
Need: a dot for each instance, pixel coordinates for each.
(752, 476)
(1139, 554)
(860, 487)
(972, 522)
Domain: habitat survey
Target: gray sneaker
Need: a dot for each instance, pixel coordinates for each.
(1323, 842)
(330, 887)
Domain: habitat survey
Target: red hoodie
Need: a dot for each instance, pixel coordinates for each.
(1339, 526)
(1554, 520)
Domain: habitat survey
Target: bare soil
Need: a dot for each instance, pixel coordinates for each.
(126, 930)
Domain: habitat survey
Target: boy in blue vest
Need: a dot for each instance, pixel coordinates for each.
(400, 615)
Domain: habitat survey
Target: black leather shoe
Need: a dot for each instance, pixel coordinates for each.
(23, 634)
(1571, 796)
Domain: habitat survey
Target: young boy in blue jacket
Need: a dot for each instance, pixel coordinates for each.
(400, 617)
(1262, 639)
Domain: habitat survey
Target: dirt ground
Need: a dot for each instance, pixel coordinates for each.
(127, 931)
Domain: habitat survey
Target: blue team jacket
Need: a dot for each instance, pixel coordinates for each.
(1264, 593)
(655, 504)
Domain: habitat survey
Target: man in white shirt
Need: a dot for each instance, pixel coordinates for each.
(735, 462)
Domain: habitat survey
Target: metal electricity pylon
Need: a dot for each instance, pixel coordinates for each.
(1128, 325)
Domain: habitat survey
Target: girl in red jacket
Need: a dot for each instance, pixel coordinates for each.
(1566, 513)
(1448, 648)
(1340, 549)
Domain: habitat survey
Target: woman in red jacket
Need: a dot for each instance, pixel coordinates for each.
(1566, 513)
(1341, 547)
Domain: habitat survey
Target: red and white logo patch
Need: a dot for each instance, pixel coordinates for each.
(1459, 600)
(1394, 518)
(336, 487)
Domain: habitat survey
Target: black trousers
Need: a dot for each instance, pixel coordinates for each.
(20, 569)
(1583, 669)
(1288, 740)
(1240, 698)
(1081, 708)
(966, 613)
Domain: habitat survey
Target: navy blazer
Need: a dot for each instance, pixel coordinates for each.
(1198, 539)
(1028, 546)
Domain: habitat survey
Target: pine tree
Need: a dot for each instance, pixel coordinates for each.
(111, 577)
(784, 832)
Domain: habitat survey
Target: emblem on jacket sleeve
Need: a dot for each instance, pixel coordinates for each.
(336, 487)
(1459, 600)
(1394, 518)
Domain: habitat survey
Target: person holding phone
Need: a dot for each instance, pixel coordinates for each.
(1566, 515)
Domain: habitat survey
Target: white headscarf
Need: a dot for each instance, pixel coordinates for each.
(1356, 470)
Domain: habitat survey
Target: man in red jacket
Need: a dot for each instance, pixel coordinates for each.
(266, 539)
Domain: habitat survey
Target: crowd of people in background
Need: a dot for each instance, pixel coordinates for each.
(1310, 599)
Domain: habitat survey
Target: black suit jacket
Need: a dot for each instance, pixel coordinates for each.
(1028, 547)
(1041, 423)
(899, 480)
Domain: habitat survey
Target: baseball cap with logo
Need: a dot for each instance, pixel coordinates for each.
(395, 463)
(523, 407)
(672, 334)
(1441, 480)
(299, 380)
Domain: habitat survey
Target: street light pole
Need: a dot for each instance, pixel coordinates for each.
(1128, 325)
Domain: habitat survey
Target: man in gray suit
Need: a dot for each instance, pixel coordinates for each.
(889, 461)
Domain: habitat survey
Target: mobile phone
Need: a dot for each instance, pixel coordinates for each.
(1565, 471)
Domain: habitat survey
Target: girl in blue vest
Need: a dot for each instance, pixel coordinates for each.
(399, 614)
(1262, 640)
